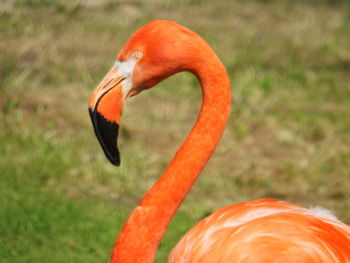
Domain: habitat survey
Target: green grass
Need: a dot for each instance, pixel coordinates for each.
(287, 138)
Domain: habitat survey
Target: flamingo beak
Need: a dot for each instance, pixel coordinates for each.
(105, 108)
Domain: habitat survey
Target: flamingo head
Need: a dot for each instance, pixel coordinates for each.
(157, 50)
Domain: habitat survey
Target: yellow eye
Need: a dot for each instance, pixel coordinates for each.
(137, 54)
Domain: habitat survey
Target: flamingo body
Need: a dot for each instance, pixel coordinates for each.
(260, 231)
(265, 230)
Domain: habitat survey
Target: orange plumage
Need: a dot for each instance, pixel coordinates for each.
(259, 231)
(265, 230)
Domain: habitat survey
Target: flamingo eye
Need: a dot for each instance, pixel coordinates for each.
(138, 54)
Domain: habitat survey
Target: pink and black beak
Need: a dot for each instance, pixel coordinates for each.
(105, 108)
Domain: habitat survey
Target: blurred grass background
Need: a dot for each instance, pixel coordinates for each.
(287, 138)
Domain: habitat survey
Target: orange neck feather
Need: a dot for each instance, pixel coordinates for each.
(144, 229)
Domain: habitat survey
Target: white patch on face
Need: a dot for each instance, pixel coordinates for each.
(125, 70)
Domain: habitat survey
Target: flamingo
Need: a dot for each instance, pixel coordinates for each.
(264, 230)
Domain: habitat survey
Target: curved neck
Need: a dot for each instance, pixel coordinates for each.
(144, 229)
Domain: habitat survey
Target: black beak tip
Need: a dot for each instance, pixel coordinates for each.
(115, 160)
(107, 134)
